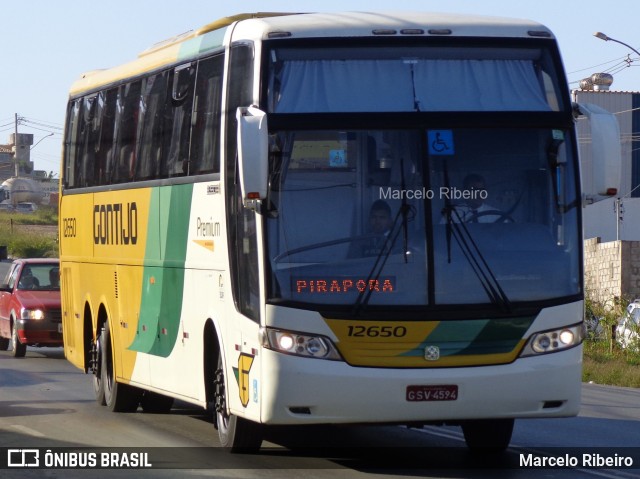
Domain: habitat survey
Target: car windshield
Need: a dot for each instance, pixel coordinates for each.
(41, 277)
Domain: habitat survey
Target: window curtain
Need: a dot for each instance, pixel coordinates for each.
(308, 86)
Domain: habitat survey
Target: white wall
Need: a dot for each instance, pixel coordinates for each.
(600, 218)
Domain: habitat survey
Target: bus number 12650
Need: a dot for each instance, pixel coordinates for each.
(377, 331)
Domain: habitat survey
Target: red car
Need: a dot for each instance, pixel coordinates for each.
(30, 311)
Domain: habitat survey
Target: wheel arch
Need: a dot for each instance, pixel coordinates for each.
(212, 345)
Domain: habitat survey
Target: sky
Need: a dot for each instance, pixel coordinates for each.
(46, 45)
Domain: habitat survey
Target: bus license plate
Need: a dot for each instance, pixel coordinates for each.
(448, 392)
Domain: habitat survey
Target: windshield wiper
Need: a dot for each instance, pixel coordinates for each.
(472, 253)
(383, 255)
(385, 251)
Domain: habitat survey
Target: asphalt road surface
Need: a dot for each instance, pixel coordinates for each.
(47, 403)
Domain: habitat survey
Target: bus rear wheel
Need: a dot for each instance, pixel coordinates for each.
(118, 397)
(237, 434)
(96, 358)
(488, 435)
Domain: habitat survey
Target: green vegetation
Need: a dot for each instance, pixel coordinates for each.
(605, 362)
(613, 368)
(30, 235)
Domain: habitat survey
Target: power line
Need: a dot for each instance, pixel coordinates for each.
(25, 121)
(620, 65)
(42, 129)
(599, 65)
(44, 121)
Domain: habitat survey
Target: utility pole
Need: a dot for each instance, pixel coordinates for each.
(15, 146)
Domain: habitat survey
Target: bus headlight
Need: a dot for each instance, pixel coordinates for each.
(554, 340)
(299, 344)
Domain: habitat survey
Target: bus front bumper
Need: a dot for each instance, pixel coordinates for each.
(311, 391)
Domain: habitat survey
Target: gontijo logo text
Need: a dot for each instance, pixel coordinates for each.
(115, 224)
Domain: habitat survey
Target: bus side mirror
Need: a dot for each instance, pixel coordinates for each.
(601, 172)
(253, 148)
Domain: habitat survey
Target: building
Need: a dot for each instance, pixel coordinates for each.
(18, 180)
(612, 226)
(616, 218)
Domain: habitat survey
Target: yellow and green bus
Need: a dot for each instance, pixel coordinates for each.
(320, 218)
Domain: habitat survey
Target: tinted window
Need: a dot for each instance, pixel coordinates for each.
(205, 136)
(164, 125)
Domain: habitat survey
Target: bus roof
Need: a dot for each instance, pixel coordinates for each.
(256, 26)
(363, 24)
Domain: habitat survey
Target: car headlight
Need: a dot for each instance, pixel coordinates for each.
(554, 340)
(31, 314)
(299, 344)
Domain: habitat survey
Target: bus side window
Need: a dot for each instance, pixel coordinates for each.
(104, 147)
(205, 133)
(178, 121)
(86, 150)
(72, 143)
(152, 108)
(127, 120)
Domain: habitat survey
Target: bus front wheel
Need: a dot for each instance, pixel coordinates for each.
(236, 434)
(488, 435)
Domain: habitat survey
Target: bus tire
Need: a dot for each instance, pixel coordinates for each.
(118, 397)
(489, 435)
(98, 384)
(19, 349)
(238, 435)
(156, 403)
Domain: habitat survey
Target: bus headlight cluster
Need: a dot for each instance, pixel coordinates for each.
(31, 314)
(554, 340)
(299, 344)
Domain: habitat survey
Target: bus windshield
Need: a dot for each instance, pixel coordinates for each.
(422, 217)
(412, 78)
(430, 210)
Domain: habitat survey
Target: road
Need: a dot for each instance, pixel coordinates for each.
(46, 402)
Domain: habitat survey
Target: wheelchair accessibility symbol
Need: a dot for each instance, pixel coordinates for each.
(440, 142)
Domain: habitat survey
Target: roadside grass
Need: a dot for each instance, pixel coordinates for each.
(611, 366)
(604, 361)
(30, 235)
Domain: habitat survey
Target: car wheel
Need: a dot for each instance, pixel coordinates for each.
(4, 344)
(19, 349)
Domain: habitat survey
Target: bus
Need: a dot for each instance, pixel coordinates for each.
(218, 244)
